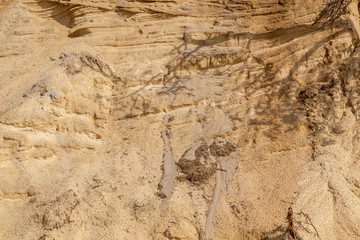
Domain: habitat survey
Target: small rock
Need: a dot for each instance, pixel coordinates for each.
(31, 193)
(54, 96)
(182, 229)
(339, 129)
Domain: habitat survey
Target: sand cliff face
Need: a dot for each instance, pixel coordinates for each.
(175, 119)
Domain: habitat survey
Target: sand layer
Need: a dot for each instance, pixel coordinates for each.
(168, 120)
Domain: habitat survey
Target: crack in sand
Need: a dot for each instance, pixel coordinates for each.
(168, 180)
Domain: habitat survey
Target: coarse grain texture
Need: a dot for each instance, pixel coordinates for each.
(168, 120)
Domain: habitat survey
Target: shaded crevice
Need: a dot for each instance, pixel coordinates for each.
(61, 13)
(79, 33)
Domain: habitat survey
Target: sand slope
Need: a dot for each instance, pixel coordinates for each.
(179, 120)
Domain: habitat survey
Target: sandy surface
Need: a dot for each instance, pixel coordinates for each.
(177, 120)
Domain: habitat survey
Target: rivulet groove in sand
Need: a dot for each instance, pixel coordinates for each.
(168, 180)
